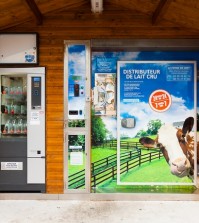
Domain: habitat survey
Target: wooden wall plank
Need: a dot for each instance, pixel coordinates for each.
(54, 158)
(54, 108)
(57, 99)
(55, 116)
(55, 150)
(55, 177)
(54, 125)
(55, 133)
(55, 142)
(58, 35)
(54, 186)
(54, 91)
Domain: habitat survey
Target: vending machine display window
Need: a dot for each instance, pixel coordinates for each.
(13, 106)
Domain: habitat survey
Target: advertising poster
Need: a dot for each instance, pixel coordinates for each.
(156, 109)
(138, 118)
(76, 81)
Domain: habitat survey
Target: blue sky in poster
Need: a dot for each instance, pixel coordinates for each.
(76, 60)
(144, 55)
(182, 92)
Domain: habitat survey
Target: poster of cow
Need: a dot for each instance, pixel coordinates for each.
(156, 105)
(127, 154)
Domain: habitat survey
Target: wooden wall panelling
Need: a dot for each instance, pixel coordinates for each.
(187, 14)
(54, 179)
(51, 56)
(55, 29)
(82, 33)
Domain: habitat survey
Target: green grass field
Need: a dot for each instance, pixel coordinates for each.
(100, 153)
(96, 154)
(156, 171)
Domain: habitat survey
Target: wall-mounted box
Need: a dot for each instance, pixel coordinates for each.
(18, 48)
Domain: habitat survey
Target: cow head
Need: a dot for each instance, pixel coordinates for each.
(177, 146)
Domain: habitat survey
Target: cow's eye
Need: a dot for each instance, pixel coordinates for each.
(182, 139)
(159, 145)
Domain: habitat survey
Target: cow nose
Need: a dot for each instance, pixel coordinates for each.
(181, 163)
(180, 167)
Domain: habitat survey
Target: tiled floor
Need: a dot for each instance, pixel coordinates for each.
(72, 211)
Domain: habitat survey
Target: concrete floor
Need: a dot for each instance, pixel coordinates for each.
(78, 211)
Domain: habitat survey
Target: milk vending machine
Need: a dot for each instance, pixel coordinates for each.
(22, 137)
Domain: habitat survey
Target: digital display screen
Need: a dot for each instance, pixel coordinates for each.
(36, 79)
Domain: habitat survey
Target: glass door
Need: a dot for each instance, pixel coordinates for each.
(77, 117)
(77, 158)
(13, 134)
(13, 106)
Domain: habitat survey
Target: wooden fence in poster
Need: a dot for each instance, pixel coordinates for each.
(106, 168)
(111, 173)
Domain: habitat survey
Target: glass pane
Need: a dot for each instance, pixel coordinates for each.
(104, 92)
(76, 162)
(13, 106)
(76, 84)
(76, 123)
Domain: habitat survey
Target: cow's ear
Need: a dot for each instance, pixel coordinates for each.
(188, 125)
(147, 142)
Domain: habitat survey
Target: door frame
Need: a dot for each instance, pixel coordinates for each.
(78, 130)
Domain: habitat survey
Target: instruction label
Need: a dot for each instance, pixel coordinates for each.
(11, 165)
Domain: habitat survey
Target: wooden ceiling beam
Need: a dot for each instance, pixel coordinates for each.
(34, 8)
(160, 11)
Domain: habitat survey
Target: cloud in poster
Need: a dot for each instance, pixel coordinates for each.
(77, 103)
(128, 56)
(111, 125)
(77, 63)
(143, 113)
(117, 56)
